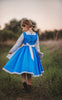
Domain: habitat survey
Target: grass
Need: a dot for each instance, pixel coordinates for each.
(46, 87)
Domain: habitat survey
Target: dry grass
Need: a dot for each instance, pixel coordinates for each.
(52, 44)
(47, 43)
(47, 87)
(8, 42)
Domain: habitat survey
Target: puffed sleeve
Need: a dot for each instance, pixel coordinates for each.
(18, 43)
(37, 44)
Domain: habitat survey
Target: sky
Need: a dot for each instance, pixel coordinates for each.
(46, 13)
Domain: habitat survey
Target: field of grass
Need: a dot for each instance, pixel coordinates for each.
(46, 87)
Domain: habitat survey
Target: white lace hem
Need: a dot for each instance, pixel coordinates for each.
(23, 72)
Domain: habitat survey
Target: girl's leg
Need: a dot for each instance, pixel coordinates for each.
(23, 77)
(28, 79)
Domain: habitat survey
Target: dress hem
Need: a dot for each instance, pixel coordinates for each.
(23, 72)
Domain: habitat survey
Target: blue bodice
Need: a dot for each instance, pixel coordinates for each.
(31, 39)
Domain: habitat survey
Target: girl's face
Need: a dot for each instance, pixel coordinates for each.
(25, 28)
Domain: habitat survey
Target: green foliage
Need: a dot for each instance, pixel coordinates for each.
(15, 25)
(7, 34)
(54, 35)
(14, 29)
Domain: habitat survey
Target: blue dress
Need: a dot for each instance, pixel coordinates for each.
(25, 59)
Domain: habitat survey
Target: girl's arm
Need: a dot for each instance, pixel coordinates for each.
(37, 44)
(17, 44)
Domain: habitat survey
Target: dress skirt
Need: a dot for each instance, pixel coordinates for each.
(21, 62)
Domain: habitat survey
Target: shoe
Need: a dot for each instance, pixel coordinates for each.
(25, 85)
(29, 87)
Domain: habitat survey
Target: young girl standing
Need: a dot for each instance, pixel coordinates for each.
(25, 60)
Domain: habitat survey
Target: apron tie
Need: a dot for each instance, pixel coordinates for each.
(30, 47)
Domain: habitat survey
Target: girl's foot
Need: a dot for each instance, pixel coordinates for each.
(25, 85)
(29, 87)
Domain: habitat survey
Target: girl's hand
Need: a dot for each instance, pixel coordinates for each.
(10, 52)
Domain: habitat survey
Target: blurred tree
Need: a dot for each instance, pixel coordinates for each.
(59, 34)
(55, 34)
(0, 26)
(15, 25)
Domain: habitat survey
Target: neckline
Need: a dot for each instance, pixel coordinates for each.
(30, 32)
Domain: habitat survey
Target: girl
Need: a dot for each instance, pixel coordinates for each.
(25, 60)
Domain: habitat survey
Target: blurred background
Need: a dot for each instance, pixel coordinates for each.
(46, 15)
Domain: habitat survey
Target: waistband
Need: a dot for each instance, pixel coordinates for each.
(27, 44)
(31, 51)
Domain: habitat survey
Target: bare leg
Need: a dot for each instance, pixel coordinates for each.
(23, 77)
(28, 79)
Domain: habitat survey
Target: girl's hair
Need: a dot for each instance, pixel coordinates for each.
(27, 22)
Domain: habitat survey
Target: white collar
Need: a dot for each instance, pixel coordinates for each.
(28, 32)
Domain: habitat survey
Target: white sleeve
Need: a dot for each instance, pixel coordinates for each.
(17, 44)
(37, 44)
